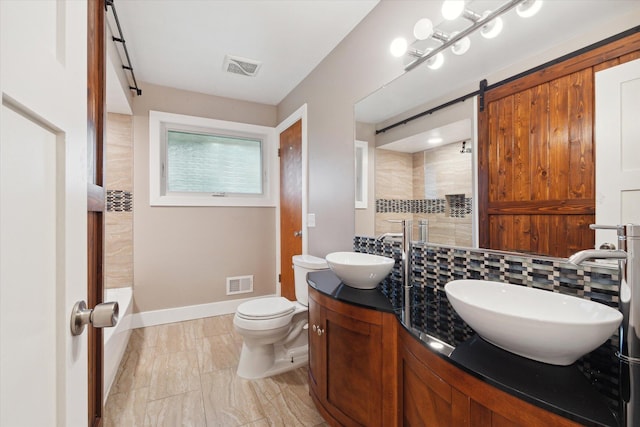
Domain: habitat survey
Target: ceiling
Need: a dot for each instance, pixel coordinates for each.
(433, 138)
(182, 44)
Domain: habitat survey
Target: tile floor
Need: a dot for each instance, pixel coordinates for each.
(184, 374)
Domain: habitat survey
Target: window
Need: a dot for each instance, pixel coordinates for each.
(196, 161)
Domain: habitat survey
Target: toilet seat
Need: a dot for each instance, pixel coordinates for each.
(265, 308)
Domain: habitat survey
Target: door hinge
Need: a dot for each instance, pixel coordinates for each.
(279, 278)
(279, 151)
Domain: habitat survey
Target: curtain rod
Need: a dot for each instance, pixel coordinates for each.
(484, 87)
(120, 39)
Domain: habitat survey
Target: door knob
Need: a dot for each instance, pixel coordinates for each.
(297, 233)
(104, 315)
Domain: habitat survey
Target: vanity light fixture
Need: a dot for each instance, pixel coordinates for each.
(398, 47)
(460, 47)
(492, 28)
(424, 29)
(528, 8)
(489, 24)
(435, 62)
(452, 9)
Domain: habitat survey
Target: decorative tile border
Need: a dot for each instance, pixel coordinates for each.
(434, 266)
(458, 206)
(119, 201)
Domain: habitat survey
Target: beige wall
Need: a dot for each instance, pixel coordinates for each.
(352, 70)
(182, 255)
(118, 257)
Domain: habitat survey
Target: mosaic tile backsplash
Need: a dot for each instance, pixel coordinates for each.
(434, 266)
(455, 205)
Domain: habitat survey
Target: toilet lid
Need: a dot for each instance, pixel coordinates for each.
(265, 308)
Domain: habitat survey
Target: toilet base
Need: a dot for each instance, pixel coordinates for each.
(263, 361)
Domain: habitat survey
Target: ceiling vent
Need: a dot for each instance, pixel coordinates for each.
(242, 66)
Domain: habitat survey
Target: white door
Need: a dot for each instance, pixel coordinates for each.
(617, 147)
(43, 204)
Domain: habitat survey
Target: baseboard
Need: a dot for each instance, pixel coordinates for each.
(180, 314)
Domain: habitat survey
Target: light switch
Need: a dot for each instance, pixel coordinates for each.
(311, 220)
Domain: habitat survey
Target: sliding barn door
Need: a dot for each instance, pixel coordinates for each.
(541, 176)
(536, 155)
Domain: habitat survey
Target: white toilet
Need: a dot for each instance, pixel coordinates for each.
(274, 329)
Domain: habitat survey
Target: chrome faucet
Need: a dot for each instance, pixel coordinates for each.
(628, 256)
(385, 235)
(407, 236)
(590, 254)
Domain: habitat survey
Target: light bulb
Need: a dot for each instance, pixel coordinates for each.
(528, 8)
(435, 62)
(423, 29)
(493, 28)
(461, 46)
(398, 47)
(451, 9)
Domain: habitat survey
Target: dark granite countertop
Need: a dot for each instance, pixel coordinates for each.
(328, 283)
(563, 390)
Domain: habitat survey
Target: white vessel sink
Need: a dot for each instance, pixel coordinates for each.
(358, 270)
(540, 325)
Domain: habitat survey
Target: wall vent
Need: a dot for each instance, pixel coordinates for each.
(242, 66)
(239, 285)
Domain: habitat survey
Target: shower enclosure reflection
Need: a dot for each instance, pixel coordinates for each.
(435, 185)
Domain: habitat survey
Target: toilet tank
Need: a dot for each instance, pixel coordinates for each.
(303, 264)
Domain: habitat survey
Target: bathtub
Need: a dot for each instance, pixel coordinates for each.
(116, 338)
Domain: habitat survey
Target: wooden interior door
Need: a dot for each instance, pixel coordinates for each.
(43, 143)
(96, 84)
(290, 153)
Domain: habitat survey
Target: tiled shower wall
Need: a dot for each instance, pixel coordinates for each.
(433, 266)
(434, 185)
(119, 216)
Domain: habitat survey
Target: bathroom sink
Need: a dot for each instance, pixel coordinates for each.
(358, 270)
(540, 325)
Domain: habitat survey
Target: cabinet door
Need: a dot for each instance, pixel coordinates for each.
(317, 348)
(427, 398)
(354, 369)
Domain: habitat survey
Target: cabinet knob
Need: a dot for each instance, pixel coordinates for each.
(320, 331)
(313, 328)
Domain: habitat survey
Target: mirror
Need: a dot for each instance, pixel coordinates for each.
(421, 89)
(424, 172)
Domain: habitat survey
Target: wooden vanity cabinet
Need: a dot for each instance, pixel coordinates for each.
(367, 370)
(433, 392)
(352, 363)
